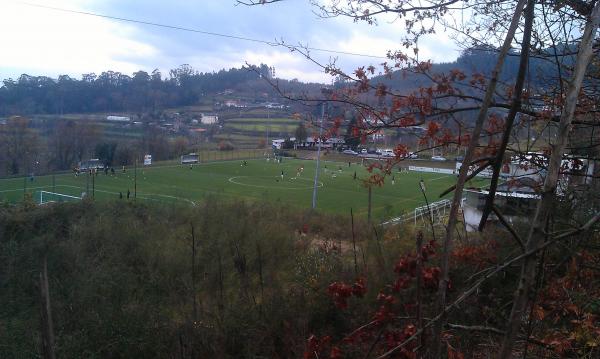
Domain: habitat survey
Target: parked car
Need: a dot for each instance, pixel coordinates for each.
(412, 155)
(388, 153)
(459, 158)
(438, 158)
(363, 151)
(349, 152)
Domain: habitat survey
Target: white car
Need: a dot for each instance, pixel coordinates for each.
(438, 158)
(364, 151)
(410, 155)
(388, 153)
(349, 152)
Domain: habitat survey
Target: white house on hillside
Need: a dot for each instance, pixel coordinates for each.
(118, 118)
(209, 119)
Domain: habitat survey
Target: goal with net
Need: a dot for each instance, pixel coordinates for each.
(45, 197)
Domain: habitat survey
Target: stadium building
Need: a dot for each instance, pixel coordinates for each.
(520, 186)
(93, 164)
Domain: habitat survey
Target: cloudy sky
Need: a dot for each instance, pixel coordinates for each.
(40, 41)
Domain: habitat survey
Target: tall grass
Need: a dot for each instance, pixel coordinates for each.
(128, 280)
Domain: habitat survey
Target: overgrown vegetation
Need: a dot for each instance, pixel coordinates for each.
(239, 280)
(135, 281)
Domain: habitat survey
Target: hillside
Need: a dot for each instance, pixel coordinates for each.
(240, 280)
(147, 93)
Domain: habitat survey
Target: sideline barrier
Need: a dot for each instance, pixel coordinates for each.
(435, 210)
(431, 170)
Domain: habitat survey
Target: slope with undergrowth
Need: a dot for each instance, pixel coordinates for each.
(261, 280)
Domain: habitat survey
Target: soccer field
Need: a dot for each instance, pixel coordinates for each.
(338, 191)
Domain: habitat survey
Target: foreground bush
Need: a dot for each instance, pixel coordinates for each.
(136, 281)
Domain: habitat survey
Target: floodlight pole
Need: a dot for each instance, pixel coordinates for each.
(314, 197)
(135, 180)
(25, 176)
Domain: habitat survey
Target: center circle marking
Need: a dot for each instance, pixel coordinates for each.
(236, 180)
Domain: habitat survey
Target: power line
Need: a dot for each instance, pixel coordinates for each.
(187, 29)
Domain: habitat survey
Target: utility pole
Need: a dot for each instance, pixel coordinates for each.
(370, 198)
(314, 196)
(268, 128)
(94, 184)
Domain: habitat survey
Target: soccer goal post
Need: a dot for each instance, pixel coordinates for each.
(51, 197)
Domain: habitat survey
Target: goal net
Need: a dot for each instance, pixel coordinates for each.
(45, 197)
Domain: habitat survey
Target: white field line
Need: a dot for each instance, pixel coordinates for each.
(439, 178)
(59, 194)
(142, 195)
(233, 180)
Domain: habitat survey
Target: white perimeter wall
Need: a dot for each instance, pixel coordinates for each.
(431, 170)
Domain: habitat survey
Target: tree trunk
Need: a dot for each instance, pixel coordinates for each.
(419, 295)
(194, 303)
(353, 244)
(536, 233)
(46, 312)
(514, 108)
(469, 155)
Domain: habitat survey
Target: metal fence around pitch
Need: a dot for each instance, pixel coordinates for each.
(436, 210)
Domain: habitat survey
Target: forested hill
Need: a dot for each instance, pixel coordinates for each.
(117, 92)
(482, 61)
(143, 92)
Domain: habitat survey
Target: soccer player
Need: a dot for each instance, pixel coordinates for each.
(128, 193)
(282, 175)
(393, 180)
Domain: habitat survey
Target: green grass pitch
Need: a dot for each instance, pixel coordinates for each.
(337, 192)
